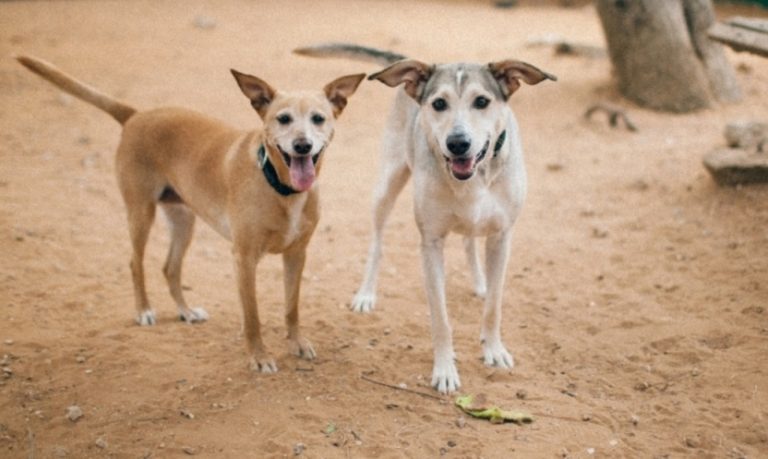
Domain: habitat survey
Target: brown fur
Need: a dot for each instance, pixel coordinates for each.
(192, 165)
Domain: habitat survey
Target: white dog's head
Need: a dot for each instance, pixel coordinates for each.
(462, 105)
(297, 125)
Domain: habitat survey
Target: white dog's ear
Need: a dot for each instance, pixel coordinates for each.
(339, 90)
(413, 73)
(257, 90)
(509, 73)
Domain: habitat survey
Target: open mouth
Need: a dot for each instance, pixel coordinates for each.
(301, 169)
(463, 168)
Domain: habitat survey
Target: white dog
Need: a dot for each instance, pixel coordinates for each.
(452, 130)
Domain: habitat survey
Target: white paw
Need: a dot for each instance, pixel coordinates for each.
(496, 355)
(193, 315)
(363, 302)
(146, 318)
(302, 348)
(264, 364)
(480, 290)
(445, 376)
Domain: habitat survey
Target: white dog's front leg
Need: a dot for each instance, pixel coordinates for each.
(496, 257)
(445, 376)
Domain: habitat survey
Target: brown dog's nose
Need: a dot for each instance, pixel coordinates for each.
(302, 146)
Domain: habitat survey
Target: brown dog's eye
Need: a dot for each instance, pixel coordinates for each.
(318, 119)
(439, 104)
(481, 102)
(284, 119)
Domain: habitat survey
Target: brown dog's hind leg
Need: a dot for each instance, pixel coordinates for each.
(140, 218)
(181, 225)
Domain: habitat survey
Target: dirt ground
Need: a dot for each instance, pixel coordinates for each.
(635, 303)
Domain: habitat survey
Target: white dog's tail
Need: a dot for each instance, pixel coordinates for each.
(119, 110)
(350, 51)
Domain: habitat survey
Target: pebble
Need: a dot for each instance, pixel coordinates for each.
(8, 342)
(80, 359)
(101, 443)
(187, 414)
(586, 417)
(298, 449)
(74, 413)
(522, 394)
(190, 451)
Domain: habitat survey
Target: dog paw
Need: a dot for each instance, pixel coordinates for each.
(193, 315)
(496, 355)
(302, 348)
(363, 302)
(265, 364)
(445, 377)
(146, 318)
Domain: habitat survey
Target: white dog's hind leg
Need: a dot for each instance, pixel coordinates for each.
(445, 376)
(392, 180)
(496, 257)
(478, 276)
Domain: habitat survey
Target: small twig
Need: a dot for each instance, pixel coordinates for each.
(31, 436)
(614, 114)
(404, 389)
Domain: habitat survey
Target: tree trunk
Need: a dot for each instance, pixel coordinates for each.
(661, 55)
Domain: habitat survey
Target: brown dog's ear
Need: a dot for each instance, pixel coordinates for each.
(413, 73)
(509, 73)
(339, 90)
(257, 90)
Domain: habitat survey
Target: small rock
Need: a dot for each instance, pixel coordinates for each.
(187, 414)
(521, 394)
(9, 342)
(599, 233)
(74, 413)
(746, 134)
(205, 23)
(642, 386)
(101, 443)
(60, 451)
(188, 450)
(461, 422)
(591, 451)
(298, 449)
(80, 359)
(7, 372)
(451, 444)
(586, 417)
(634, 420)
(443, 451)
(692, 442)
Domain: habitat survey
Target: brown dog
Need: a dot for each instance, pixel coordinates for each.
(254, 188)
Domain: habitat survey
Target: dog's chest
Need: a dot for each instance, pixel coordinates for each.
(297, 220)
(481, 213)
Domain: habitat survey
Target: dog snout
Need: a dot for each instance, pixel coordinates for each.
(458, 144)
(302, 146)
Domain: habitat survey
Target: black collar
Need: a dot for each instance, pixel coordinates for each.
(271, 174)
(499, 143)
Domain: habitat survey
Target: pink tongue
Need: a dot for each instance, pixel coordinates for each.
(462, 166)
(302, 172)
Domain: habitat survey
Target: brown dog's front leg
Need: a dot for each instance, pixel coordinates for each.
(293, 267)
(245, 261)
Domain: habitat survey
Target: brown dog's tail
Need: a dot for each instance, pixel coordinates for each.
(119, 110)
(350, 51)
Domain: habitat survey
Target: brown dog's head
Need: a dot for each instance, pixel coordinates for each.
(297, 125)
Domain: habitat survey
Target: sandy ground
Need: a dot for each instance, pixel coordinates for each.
(636, 296)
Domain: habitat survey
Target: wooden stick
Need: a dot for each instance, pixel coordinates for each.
(404, 389)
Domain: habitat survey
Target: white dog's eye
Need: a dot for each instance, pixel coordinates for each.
(284, 119)
(318, 119)
(439, 104)
(481, 102)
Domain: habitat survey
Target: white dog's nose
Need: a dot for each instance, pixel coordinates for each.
(458, 144)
